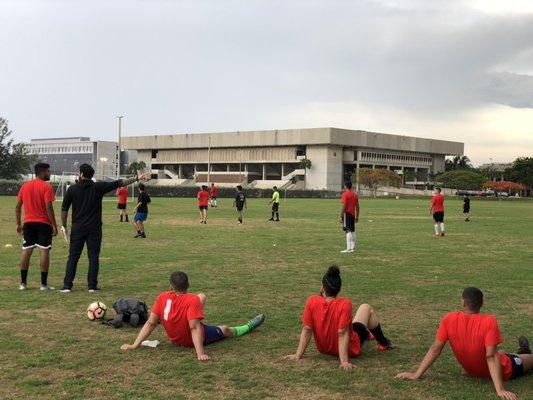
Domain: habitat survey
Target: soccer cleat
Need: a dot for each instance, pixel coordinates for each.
(256, 322)
(442, 234)
(385, 347)
(65, 290)
(138, 235)
(523, 345)
(45, 288)
(346, 251)
(271, 219)
(23, 286)
(143, 235)
(94, 290)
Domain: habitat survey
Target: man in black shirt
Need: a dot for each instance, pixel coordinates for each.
(239, 203)
(141, 211)
(466, 208)
(86, 200)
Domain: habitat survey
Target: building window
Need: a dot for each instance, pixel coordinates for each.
(154, 153)
(300, 151)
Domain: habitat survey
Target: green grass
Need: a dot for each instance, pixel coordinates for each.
(50, 350)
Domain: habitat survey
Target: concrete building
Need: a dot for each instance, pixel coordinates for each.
(265, 158)
(65, 154)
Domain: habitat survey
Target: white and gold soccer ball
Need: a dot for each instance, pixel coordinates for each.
(96, 310)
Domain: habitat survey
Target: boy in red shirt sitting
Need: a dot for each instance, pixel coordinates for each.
(474, 338)
(329, 319)
(181, 315)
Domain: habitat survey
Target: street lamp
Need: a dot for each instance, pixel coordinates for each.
(103, 160)
(119, 145)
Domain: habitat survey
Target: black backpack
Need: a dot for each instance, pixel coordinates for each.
(133, 311)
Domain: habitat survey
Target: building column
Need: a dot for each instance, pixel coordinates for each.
(180, 171)
(282, 171)
(357, 177)
(227, 167)
(264, 171)
(416, 173)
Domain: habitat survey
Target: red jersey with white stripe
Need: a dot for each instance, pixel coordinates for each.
(175, 310)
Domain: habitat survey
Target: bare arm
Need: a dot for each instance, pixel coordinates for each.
(18, 216)
(495, 369)
(198, 339)
(431, 356)
(357, 212)
(145, 332)
(344, 343)
(129, 181)
(52, 216)
(343, 209)
(305, 337)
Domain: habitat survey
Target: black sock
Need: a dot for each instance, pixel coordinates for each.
(127, 220)
(272, 214)
(139, 232)
(277, 215)
(380, 337)
(44, 278)
(121, 218)
(23, 276)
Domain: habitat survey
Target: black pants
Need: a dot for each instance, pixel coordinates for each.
(94, 243)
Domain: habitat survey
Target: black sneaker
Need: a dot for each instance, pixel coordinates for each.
(143, 235)
(256, 322)
(138, 235)
(523, 345)
(271, 219)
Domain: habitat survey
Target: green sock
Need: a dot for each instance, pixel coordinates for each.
(241, 330)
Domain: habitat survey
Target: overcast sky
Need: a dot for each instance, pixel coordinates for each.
(450, 69)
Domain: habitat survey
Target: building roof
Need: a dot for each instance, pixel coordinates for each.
(294, 137)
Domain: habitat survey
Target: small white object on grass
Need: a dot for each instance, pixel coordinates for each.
(370, 220)
(150, 343)
(274, 245)
(8, 246)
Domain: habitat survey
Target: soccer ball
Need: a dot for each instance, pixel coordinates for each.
(96, 310)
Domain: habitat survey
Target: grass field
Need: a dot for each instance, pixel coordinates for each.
(50, 350)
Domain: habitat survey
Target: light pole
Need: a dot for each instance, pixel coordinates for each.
(103, 160)
(208, 158)
(117, 163)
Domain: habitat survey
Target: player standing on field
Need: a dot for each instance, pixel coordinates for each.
(203, 203)
(214, 194)
(86, 197)
(349, 215)
(141, 211)
(466, 207)
(275, 205)
(239, 203)
(37, 198)
(437, 210)
(122, 194)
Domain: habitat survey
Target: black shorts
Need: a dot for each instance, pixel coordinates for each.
(213, 197)
(438, 216)
(466, 210)
(362, 332)
(348, 222)
(239, 207)
(212, 334)
(36, 234)
(121, 206)
(517, 366)
(275, 207)
(202, 208)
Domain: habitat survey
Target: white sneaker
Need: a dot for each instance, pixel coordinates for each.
(346, 251)
(45, 288)
(65, 291)
(23, 286)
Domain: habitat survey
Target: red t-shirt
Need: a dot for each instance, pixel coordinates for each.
(203, 198)
(350, 200)
(438, 203)
(34, 195)
(214, 191)
(469, 336)
(326, 318)
(122, 194)
(175, 311)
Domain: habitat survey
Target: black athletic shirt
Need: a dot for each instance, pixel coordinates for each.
(86, 200)
(144, 199)
(240, 198)
(466, 203)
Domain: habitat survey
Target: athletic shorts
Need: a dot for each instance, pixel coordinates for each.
(140, 217)
(212, 334)
(213, 197)
(348, 222)
(517, 366)
(438, 216)
(466, 210)
(36, 234)
(275, 207)
(239, 208)
(362, 332)
(202, 208)
(121, 206)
